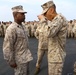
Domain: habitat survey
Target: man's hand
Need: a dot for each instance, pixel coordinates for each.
(41, 17)
(14, 65)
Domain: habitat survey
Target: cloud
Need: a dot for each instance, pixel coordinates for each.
(67, 8)
(27, 1)
(22, 1)
(33, 7)
(18, 1)
(4, 9)
(5, 13)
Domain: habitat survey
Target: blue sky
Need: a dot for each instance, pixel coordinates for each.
(33, 7)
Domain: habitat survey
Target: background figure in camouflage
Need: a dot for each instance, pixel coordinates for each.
(70, 29)
(57, 32)
(40, 34)
(74, 29)
(32, 29)
(0, 30)
(15, 47)
(3, 29)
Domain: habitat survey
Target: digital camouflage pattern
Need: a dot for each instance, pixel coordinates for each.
(40, 34)
(22, 69)
(57, 31)
(15, 46)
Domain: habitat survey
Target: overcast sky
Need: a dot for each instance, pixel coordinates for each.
(33, 7)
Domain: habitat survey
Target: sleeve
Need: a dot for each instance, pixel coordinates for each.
(41, 22)
(8, 46)
(54, 27)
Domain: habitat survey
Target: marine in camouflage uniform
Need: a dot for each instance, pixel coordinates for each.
(32, 29)
(0, 30)
(2, 27)
(70, 29)
(27, 29)
(15, 47)
(40, 34)
(74, 29)
(57, 32)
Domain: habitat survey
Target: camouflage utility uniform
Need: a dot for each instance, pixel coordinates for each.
(40, 34)
(57, 31)
(16, 49)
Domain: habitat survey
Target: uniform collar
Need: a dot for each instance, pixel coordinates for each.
(18, 25)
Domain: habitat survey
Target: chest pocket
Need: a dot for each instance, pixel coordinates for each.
(20, 34)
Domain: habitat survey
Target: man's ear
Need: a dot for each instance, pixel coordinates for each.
(52, 10)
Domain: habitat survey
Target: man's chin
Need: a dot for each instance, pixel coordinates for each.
(23, 21)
